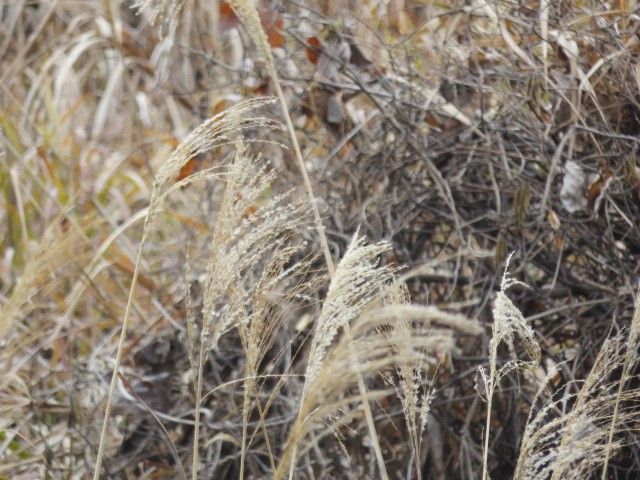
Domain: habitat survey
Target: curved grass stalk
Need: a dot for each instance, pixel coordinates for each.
(247, 12)
(120, 350)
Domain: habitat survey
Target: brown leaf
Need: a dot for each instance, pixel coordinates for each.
(357, 57)
(329, 108)
(189, 221)
(187, 169)
(313, 49)
(262, 88)
(220, 106)
(598, 188)
(271, 21)
(124, 264)
(227, 18)
(273, 25)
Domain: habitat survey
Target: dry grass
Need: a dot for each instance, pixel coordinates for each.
(182, 295)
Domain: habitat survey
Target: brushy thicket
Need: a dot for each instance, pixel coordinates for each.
(274, 240)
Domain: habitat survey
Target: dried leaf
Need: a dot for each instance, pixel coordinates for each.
(598, 188)
(123, 263)
(187, 169)
(227, 18)
(358, 58)
(573, 192)
(273, 25)
(553, 220)
(313, 49)
(335, 53)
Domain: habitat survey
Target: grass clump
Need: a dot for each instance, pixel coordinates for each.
(183, 296)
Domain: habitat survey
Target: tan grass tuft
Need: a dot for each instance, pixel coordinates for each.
(53, 252)
(508, 326)
(573, 442)
(218, 130)
(253, 239)
(356, 283)
(630, 359)
(274, 294)
(246, 11)
(164, 13)
(415, 385)
(353, 336)
(370, 348)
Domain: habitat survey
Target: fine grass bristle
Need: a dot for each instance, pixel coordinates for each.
(630, 360)
(163, 13)
(351, 336)
(246, 10)
(356, 283)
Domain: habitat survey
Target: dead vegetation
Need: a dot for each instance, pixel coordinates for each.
(267, 241)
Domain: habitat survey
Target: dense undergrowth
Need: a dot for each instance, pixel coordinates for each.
(378, 239)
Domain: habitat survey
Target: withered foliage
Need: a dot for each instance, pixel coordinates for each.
(430, 275)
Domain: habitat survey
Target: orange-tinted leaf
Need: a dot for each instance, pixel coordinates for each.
(187, 169)
(227, 17)
(220, 107)
(250, 211)
(598, 188)
(313, 49)
(261, 88)
(272, 22)
(273, 25)
(189, 221)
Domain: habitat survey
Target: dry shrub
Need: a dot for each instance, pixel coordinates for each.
(455, 131)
